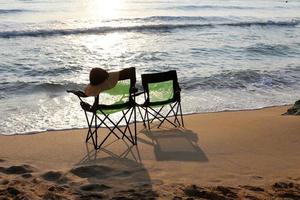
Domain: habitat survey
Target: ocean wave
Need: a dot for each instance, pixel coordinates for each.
(242, 79)
(267, 23)
(50, 72)
(29, 71)
(12, 11)
(270, 49)
(137, 28)
(199, 7)
(96, 30)
(170, 18)
(21, 87)
(57, 87)
(245, 79)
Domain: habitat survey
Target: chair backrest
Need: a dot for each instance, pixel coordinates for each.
(161, 87)
(122, 92)
(129, 74)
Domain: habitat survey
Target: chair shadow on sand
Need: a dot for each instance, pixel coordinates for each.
(174, 144)
(128, 153)
(119, 168)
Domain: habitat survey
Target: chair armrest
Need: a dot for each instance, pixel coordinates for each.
(85, 106)
(77, 93)
(133, 90)
(178, 89)
(138, 93)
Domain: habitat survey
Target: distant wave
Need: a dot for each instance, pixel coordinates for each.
(267, 23)
(50, 71)
(229, 7)
(138, 28)
(31, 87)
(33, 71)
(96, 30)
(172, 19)
(243, 79)
(11, 11)
(198, 7)
(268, 49)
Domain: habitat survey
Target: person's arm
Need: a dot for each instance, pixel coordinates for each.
(125, 73)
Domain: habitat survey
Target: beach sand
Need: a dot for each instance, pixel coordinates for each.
(226, 155)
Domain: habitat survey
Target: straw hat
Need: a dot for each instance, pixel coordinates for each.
(101, 80)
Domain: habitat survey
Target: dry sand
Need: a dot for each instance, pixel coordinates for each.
(226, 155)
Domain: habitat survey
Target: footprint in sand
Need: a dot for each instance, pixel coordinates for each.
(215, 180)
(283, 185)
(253, 188)
(94, 187)
(219, 192)
(4, 182)
(228, 192)
(51, 176)
(92, 171)
(296, 179)
(157, 182)
(250, 197)
(21, 169)
(257, 177)
(93, 196)
(13, 191)
(56, 188)
(27, 175)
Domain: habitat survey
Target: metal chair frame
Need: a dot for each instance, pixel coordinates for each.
(174, 103)
(97, 110)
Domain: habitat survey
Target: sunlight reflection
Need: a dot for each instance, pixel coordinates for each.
(105, 8)
(105, 50)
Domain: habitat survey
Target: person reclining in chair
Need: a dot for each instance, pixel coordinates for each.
(101, 80)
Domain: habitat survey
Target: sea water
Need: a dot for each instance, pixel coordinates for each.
(229, 54)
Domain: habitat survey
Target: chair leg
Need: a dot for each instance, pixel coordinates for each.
(147, 112)
(155, 117)
(131, 112)
(98, 147)
(165, 118)
(90, 133)
(127, 126)
(148, 118)
(103, 122)
(176, 115)
(96, 133)
(97, 126)
(143, 118)
(115, 126)
(181, 114)
(135, 136)
(97, 121)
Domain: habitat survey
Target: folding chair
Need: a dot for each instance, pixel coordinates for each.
(161, 90)
(121, 98)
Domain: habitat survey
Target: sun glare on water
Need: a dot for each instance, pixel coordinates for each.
(105, 8)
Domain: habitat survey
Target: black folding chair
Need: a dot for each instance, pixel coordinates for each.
(161, 91)
(120, 98)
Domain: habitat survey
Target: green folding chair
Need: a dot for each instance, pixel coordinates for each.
(119, 99)
(161, 92)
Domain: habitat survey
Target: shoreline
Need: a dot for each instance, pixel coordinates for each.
(225, 155)
(139, 121)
